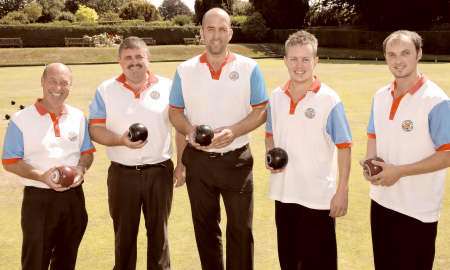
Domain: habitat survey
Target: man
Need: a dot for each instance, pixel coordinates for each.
(38, 139)
(409, 128)
(225, 91)
(141, 173)
(307, 119)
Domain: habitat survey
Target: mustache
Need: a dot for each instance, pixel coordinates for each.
(136, 65)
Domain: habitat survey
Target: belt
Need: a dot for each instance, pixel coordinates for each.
(218, 154)
(139, 167)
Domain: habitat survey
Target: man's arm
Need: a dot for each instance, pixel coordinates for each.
(180, 122)
(100, 134)
(339, 202)
(179, 173)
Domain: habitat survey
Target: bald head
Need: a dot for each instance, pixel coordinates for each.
(216, 12)
(56, 67)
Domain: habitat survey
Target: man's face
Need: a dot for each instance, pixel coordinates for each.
(402, 57)
(300, 62)
(216, 33)
(56, 85)
(134, 64)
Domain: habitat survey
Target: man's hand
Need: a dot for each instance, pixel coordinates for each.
(339, 204)
(133, 145)
(368, 178)
(45, 178)
(272, 170)
(79, 178)
(179, 175)
(388, 176)
(223, 137)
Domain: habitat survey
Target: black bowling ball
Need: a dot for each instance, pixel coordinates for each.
(277, 158)
(7, 117)
(13, 102)
(137, 132)
(21, 107)
(203, 135)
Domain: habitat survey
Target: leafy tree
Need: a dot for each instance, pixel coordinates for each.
(15, 17)
(139, 10)
(86, 14)
(7, 6)
(282, 14)
(50, 9)
(202, 6)
(100, 6)
(172, 8)
(33, 11)
(66, 16)
(241, 8)
(331, 12)
(255, 26)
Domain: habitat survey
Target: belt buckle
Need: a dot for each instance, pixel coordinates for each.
(137, 167)
(215, 154)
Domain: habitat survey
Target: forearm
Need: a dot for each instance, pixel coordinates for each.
(180, 122)
(100, 134)
(86, 161)
(253, 120)
(269, 143)
(180, 142)
(371, 150)
(344, 165)
(24, 170)
(438, 161)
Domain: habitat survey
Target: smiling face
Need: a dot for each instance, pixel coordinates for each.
(216, 31)
(402, 57)
(56, 83)
(300, 61)
(134, 64)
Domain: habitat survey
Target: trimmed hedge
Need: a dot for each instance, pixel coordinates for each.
(41, 35)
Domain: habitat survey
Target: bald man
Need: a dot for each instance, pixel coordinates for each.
(38, 139)
(225, 91)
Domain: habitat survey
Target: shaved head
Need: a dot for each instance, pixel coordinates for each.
(56, 67)
(216, 12)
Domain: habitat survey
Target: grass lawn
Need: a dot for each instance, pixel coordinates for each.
(355, 81)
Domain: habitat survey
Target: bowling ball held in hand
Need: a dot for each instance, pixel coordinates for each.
(203, 135)
(277, 158)
(371, 169)
(64, 175)
(137, 132)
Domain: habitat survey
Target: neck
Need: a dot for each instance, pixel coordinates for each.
(137, 85)
(405, 83)
(299, 88)
(56, 109)
(216, 59)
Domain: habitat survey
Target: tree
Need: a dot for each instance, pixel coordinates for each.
(7, 6)
(100, 6)
(202, 6)
(50, 9)
(172, 8)
(86, 14)
(139, 9)
(33, 11)
(282, 14)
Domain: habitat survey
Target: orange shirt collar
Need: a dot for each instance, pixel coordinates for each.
(413, 89)
(42, 110)
(229, 58)
(152, 79)
(315, 87)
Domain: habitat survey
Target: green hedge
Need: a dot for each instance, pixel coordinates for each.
(53, 36)
(435, 42)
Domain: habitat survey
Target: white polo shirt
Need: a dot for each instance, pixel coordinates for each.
(309, 131)
(409, 129)
(44, 140)
(220, 98)
(116, 105)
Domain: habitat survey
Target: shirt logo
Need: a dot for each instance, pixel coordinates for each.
(154, 94)
(310, 113)
(407, 125)
(234, 75)
(72, 136)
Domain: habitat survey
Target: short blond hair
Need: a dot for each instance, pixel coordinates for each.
(415, 38)
(301, 38)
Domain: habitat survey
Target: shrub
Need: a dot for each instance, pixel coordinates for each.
(104, 40)
(110, 16)
(238, 21)
(255, 26)
(241, 8)
(182, 20)
(139, 10)
(86, 14)
(66, 16)
(33, 11)
(331, 13)
(50, 9)
(15, 17)
(161, 23)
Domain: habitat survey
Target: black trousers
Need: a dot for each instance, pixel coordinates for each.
(209, 176)
(306, 238)
(53, 224)
(129, 191)
(401, 242)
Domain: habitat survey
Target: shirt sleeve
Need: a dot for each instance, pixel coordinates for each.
(13, 147)
(439, 125)
(97, 109)
(269, 131)
(338, 128)
(176, 99)
(257, 87)
(87, 146)
(371, 126)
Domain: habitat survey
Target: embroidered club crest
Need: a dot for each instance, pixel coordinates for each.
(154, 94)
(310, 113)
(72, 136)
(234, 75)
(407, 125)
